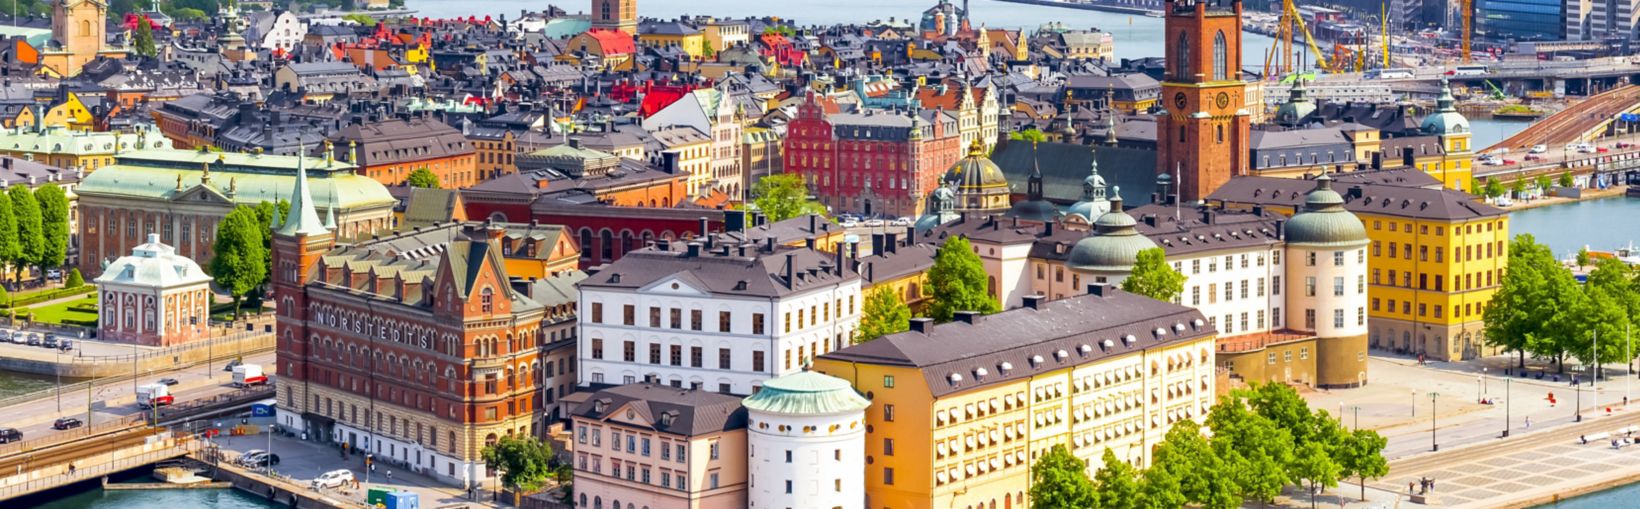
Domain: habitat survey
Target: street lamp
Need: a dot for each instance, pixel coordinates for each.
(1506, 399)
(1432, 413)
(1577, 411)
(1415, 402)
(1485, 384)
(1477, 388)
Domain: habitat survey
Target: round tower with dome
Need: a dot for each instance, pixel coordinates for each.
(806, 443)
(1093, 203)
(1107, 256)
(1452, 129)
(1327, 264)
(980, 187)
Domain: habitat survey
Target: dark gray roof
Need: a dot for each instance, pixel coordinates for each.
(746, 270)
(1085, 328)
(668, 409)
(1065, 165)
(1193, 230)
(1411, 202)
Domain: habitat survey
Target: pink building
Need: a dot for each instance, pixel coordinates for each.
(153, 297)
(643, 446)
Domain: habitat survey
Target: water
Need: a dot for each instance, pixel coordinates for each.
(1488, 132)
(1136, 36)
(1566, 228)
(97, 498)
(1621, 496)
(14, 384)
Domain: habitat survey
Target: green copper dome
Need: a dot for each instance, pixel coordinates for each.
(1324, 222)
(940, 210)
(1093, 203)
(1446, 119)
(1114, 245)
(806, 393)
(1297, 107)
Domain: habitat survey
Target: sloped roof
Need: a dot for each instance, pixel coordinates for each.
(666, 409)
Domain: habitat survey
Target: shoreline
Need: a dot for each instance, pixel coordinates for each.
(1588, 195)
(1091, 6)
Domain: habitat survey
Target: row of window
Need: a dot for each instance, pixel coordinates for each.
(1230, 290)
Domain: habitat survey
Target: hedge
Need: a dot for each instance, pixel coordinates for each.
(48, 295)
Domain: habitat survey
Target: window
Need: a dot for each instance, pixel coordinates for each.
(723, 321)
(1181, 65)
(724, 356)
(1309, 259)
(676, 352)
(695, 354)
(694, 319)
(1338, 286)
(888, 476)
(1338, 318)
(597, 348)
(486, 300)
(757, 323)
(629, 351)
(757, 362)
(1309, 286)
(676, 316)
(1221, 57)
(655, 317)
(1275, 285)
(714, 450)
(888, 413)
(1309, 319)
(655, 353)
(629, 314)
(1338, 258)
(597, 312)
(888, 447)
(888, 381)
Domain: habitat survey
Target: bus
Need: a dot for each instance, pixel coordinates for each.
(1391, 74)
(1468, 70)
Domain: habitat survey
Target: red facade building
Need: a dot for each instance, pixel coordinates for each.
(1203, 135)
(873, 162)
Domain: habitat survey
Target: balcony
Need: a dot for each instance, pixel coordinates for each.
(1252, 342)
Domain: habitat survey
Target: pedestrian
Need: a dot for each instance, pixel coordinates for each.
(389, 475)
(1528, 422)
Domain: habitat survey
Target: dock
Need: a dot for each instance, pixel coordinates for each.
(167, 486)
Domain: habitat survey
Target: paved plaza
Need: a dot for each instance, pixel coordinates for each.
(301, 461)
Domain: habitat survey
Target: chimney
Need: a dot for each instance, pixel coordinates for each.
(1258, 210)
(1207, 216)
(663, 245)
(1100, 289)
(574, 142)
(1353, 193)
(968, 317)
(791, 269)
(1409, 158)
(669, 162)
(1281, 229)
(814, 223)
(877, 244)
(1035, 301)
(809, 242)
(1149, 219)
(694, 250)
(837, 261)
(705, 227)
(891, 241)
(922, 324)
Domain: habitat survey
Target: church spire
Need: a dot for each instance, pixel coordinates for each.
(302, 218)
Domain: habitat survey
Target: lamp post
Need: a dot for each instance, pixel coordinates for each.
(1506, 406)
(1477, 388)
(1414, 402)
(58, 370)
(1432, 413)
(1486, 385)
(1577, 410)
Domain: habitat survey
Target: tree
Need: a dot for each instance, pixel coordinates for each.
(75, 280)
(708, 52)
(1582, 257)
(1530, 301)
(239, 261)
(1059, 480)
(1116, 484)
(1361, 455)
(54, 220)
(1313, 463)
(1033, 135)
(1186, 454)
(1566, 180)
(1153, 277)
(1159, 489)
(1543, 182)
(11, 249)
(1255, 451)
(959, 282)
(144, 39)
(883, 314)
(189, 14)
(1494, 188)
(423, 178)
(525, 463)
(31, 239)
(1518, 188)
(784, 196)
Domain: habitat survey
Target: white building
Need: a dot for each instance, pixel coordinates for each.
(806, 444)
(719, 317)
(153, 297)
(713, 112)
(280, 30)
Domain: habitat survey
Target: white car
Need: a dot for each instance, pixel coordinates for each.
(250, 456)
(333, 479)
(874, 223)
(904, 221)
(1539, 149)
(1585, 148)
(849, 223)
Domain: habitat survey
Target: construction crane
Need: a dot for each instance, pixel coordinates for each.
(1289, 17)
(1468, 17)
(1383, 18)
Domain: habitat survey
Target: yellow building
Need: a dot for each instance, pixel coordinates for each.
(70, 113)
(79, 31)
(1455, 168)
(688, 151)
(64, 148)
(961, 410)
(1436, 258)
(661, 34)
(901, 267)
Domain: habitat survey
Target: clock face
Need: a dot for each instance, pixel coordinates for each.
(1223, 100)
(1179, 100)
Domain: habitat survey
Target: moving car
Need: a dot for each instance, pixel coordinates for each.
(261, 460)
(333, 479)
(168, 381)
(232, 364)
(9, 435)
(1539, 149)
(67, 423)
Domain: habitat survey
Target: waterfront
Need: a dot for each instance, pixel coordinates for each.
(90, 496)
(15, 384)
(1136, 35)
(1566, 228)
(1622, 496)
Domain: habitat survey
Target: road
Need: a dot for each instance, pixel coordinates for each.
(118, 400)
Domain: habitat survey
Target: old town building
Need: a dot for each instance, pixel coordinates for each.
(874, 162)
(79, 34)
(183, 194)
(1202, 133)
(388, 150)
(657, 446)
(153, 297)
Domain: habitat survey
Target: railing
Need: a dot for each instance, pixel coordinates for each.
(1248, 344)
(173, 350)
(109, 380)
(187, 408)
(72, 435)
(84, 472)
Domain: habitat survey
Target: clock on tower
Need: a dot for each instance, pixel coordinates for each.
(1202, 133)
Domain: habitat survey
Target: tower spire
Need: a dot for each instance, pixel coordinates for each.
(302, 219)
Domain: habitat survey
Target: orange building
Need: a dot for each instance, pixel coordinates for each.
(390, 150)
(1203, 136)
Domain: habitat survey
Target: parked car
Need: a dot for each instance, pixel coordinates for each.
(9, 435)
(261, 460)
(874, 223)
(904, 221)
(19, 337)
(66, 345)
(51, 342)
(1602, 150)
(1507, 162)
(67, 423)
(34, 339)
(54, 274)
(1533, 157)
(249, 456)
(1624, 144)
(333, 479)
(848, 223)
(168, 381)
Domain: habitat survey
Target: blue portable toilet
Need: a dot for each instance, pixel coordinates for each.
(403, 500)
(264, 408)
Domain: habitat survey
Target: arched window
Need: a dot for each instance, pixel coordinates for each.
(604, 10)
(586, 242)
(1220, 128)
(1221, 57)
(1181, 58)
(606, 245)
(486, 298)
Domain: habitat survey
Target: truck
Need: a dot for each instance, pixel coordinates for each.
(246, 375)
(154, 395)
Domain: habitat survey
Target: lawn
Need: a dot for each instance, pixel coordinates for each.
(66, 312)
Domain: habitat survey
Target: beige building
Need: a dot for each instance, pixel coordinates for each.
(687, 151)
(643, 445)
(153, 297)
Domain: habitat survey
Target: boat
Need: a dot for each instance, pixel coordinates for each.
(1627, 254)
(1154, 14)
(1633, 191)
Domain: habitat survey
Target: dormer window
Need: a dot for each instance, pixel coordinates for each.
(486, 300)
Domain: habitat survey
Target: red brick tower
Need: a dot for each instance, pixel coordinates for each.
(297, 245)
(1202, 135)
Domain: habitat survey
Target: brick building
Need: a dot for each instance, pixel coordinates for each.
(389, 150)
(875, 162)
(1203, 133)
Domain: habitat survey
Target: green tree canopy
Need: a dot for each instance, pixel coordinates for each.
(1494, 188)
(1312, 463)
(1153, 277)
(1059, 480)
(1566, 179)
(1116, 483)
(1203, 479)
(784, 196)
(239, 258)
(423, 178)
(189, 14)
(1256, 452)
(1543, 182)
(11, 249)
(1518, 187)
(883, 314)
(1361, 455)
(1583, 257)
(958, 282)
(1531, 302)
(525, 463)
(144, 39)
(31, 239)
(54, 221)
(1032, 135)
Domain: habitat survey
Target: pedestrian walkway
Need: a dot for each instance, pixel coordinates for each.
(302, 461)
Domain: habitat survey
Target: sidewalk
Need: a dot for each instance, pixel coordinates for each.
(302, 461)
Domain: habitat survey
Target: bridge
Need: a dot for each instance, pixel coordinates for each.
(1583, 121)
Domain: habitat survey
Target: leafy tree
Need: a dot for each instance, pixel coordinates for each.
(189, 14)
(54, 220)
(1059, 480)
(1361, 455)
(1185, 453)
(883, 314)
(1153, 277)
(1494, 188)
(144, 38)
(958, 282)
(11, 249)
(31, 239)
(1582, 257)
(423, 178)
(239, 262)
(1032, 135)
(1313, 463)
(784, 196)
(1566, 179)
(1530, 301)
(525, 463)
(1543, 182)
(1255, 451)
(708, 52)
(75, 280)
(1160, 489)
(1116, 484)
(1518, 187)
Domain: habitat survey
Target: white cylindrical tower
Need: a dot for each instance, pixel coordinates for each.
(805, 442)
(1327, 283)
